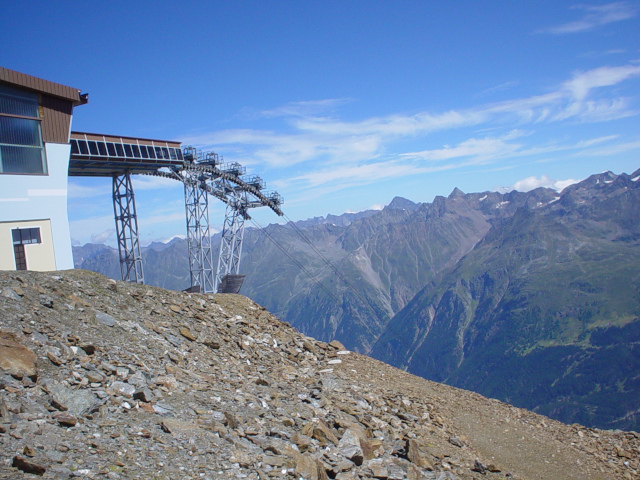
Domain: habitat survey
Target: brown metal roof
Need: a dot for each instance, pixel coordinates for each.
(43, 86)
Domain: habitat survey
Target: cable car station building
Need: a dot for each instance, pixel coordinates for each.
(35, 122)
(38, 152)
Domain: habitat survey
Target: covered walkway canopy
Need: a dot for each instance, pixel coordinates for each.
(98, 155)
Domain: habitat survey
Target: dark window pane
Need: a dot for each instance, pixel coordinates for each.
(172, 153)
(127, 150)
(74, 147)
(22, 160)
(159, 155)
(119, 150)
(143, 151)
(102, 148)
(18, 102)
(93, 147)
(84, 150)
(111, 149)
(165, 153)
(179, 154)
(34, 235)
(136, 151)
(20, 131)
(152, 152)
(22, 236)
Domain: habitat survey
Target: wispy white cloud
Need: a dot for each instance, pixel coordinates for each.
(606, 53)
(531, 183)
(104, 236)
(498, 88)
(173, 237)
(478, 148)
(75, 190)
(616, 149)
(305, 108)
(394, 125)
(583, 82)
(88, 229)
(466, 154)
(594, 16)
(328, 153)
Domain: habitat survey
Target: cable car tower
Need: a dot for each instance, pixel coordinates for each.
(204, 175)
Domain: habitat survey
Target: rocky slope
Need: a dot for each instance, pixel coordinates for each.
(103, 379)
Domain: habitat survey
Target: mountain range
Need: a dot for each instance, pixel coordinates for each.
(529, 297)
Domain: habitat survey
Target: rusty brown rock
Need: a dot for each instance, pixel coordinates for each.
(66, 420)
(16, 359)
(337, 345)
(178, 427)
(306, 467)
(319, 430)
(417, 455)
(186, 333)
(27, 466)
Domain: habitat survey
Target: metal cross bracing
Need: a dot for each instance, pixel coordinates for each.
(198, 232)
(124, 209)
(232, 235)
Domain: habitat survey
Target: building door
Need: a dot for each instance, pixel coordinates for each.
(21, 258)
(22, 237)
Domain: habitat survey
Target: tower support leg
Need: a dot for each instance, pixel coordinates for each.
(230, 244)
(198, 233)
(124, 209)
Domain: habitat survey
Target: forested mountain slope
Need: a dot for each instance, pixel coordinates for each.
(543, 313)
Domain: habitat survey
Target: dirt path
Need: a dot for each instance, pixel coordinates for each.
(525, 445)
(521, 448)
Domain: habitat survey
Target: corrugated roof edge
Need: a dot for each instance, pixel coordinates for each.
(43, 86)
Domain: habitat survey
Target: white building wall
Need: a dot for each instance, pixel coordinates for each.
(37, 197)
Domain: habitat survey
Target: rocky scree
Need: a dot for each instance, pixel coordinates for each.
(105, 379)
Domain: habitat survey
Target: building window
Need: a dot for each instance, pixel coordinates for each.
(25, 236)
(21, 148)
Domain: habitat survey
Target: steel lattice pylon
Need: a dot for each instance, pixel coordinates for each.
(231, 241)
(124, 209)
(205, 174)
(198, 232)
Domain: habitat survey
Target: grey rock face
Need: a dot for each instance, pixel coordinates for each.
(105, 319)
(75, 402)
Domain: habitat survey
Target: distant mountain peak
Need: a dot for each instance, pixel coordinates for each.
(400, 203)
(456, 193)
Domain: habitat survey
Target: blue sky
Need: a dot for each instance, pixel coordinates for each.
(342, 105)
